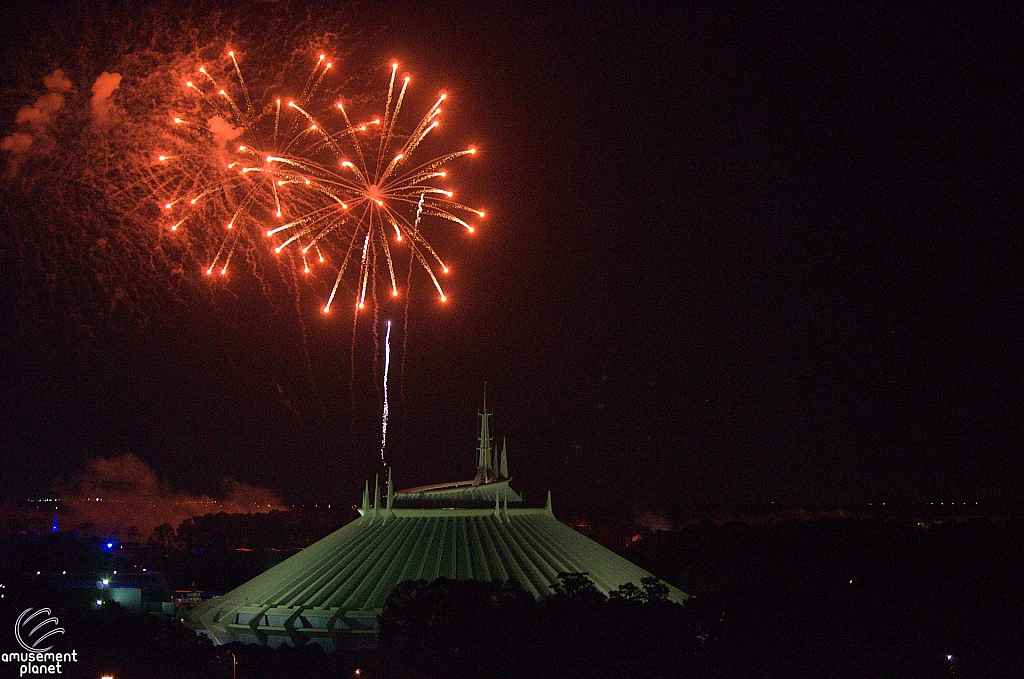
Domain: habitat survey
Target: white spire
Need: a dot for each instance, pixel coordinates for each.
(365, 511)
(391, 492)
(484, 458)
(376, 495)
(503, 471)
(548, 507)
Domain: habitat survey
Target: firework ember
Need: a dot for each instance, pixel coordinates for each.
(301, 172)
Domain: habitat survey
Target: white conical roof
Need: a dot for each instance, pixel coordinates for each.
(332, 592)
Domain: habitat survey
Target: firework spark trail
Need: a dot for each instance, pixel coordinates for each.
(384, 417)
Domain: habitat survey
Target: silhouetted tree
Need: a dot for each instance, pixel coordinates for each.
(165, 538)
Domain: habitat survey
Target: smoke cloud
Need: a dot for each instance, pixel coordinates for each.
(223, 132)
(653, 520)
(122, 497)
(57, 82)
(102, 89)
(17, 142)
(34, 120)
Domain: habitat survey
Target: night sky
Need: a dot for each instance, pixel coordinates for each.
(733, 254)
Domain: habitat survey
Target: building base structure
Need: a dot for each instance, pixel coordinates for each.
(332, 592)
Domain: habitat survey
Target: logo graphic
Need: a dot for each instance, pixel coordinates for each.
(41, 630)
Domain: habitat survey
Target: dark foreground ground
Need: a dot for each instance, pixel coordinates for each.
(782, 596)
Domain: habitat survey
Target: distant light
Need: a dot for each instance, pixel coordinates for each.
(63, 572)
(105, 581)
(99, 602)
(110, 545)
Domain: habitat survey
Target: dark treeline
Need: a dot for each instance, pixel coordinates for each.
(294, 529)
(214, 552)
(449, 628)
(816, 597)
(218, 552)
(853, 597)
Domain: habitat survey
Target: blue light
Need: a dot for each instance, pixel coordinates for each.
(110, 545)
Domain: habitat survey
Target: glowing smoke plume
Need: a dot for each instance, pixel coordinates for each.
(122, 496)
(34, 120)
(102, 106)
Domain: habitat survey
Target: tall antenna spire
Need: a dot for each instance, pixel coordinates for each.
(504, 459)
(484, 458)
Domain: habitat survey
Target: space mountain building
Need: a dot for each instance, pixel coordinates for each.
(332, 592)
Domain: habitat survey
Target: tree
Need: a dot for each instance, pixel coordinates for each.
(165, 538)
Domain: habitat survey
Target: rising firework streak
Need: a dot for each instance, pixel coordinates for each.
(384, 416)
